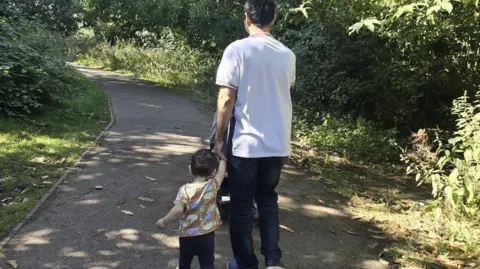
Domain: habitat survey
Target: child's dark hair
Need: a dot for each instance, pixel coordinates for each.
(203, 163)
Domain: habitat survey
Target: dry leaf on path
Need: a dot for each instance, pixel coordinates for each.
(375, 232)
(151, 178)
(350, 232)
(332, 231)
(286, 228)
(142, 206)
(378, 237)
(382, 261)
(126, 212)
(13, 264)
(145, 199)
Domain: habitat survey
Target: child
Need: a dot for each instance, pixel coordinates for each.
(197, 210)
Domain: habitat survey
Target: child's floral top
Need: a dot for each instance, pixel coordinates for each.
(201, 215)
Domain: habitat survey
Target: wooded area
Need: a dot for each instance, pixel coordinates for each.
(369, 73)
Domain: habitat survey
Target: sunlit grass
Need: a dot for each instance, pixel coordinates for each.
(35, 151)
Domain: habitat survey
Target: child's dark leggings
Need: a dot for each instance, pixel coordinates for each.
(202, 246)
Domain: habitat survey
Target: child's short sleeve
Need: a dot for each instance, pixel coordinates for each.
(214, 182)
(181, 198)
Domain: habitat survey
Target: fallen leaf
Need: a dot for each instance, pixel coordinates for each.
(145, 199)
(286, 228)
(46, 182)
(375, 232)
(126, 212)
(332, 231)
(13, 264)
(45, 177)
(142, 206)
(151, 178)
(350, 232)
(382, 261)
(378, 237)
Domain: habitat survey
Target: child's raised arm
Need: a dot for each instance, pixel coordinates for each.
(222, 170)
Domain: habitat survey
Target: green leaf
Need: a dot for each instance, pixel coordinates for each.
(449, 195)
(453, 177)
(447, 6)
(470, 191)
(468, 155)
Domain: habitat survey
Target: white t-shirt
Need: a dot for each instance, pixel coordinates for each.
(262, 70)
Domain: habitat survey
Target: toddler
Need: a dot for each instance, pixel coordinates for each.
(196, 207)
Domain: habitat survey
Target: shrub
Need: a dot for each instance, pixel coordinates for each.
(356, 140)
(174, 63)
(32, 68)
(454, 169)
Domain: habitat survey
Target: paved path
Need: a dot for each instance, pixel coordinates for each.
(154, 134)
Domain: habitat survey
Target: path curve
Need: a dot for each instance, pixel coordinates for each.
(154, 134)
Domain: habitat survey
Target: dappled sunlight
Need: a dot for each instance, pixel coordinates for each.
(71, 252)
(127, 234)
(322, 211)
(108, 253)
(169, 241)
(40, 237)
(88, 202)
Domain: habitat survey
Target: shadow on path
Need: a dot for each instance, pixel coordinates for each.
(154, 134)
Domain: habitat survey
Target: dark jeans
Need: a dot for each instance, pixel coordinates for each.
(202, 246)
(249, 179)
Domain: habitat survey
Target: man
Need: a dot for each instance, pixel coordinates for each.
(255, 76)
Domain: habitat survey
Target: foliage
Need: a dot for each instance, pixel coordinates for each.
(33, 71)
(355, 140)
(36, 150)
(173, 64)
(61, 16)
(32, 66)
(454, 172)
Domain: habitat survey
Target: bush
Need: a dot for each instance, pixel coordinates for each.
(356, 140)
(454, 168)
(174, 63)
(33, 70)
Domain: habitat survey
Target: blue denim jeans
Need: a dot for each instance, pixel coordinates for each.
(249, 179)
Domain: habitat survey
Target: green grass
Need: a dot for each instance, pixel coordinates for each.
(35, 151)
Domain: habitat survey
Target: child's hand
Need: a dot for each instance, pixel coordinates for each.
(161, 224)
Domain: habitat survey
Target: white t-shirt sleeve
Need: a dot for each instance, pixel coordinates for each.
(228, 73)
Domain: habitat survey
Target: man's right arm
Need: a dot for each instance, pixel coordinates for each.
(228, 78)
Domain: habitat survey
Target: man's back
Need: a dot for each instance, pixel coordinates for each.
(264, 73)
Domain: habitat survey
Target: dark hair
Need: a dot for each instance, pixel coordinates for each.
(260, 12)
(203, 163)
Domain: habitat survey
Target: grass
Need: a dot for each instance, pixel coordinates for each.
(35, 151)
